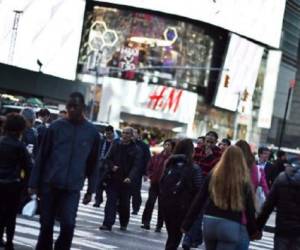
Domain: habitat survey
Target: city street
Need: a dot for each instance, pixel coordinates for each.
(88, 236)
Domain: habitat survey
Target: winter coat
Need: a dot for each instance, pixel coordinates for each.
(285, 196)
(128, 158)
(191, 182)
(156, 167)
(14, 158)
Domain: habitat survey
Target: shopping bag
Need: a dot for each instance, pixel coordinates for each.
(260, 198)
(31, 207)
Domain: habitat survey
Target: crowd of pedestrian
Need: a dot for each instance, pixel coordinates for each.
(214, 192)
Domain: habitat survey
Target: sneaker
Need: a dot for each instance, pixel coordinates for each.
(105, 228)
(123, 228)
(146, 226)
(158, 230)
(96, 205)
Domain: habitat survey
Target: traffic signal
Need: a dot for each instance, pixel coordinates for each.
(226, 81)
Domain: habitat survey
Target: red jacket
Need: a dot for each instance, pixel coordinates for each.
(156, 167)
(206, 162)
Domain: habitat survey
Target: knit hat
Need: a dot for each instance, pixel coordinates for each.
(28, 114)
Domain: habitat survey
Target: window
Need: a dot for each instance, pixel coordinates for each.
(145, 47)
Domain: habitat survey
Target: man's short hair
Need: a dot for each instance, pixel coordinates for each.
(77, 95)
(280, 153)
(226, 141)
(44, 113)
(109, 128)
(263, 149)
(213, 133)
(28, 114)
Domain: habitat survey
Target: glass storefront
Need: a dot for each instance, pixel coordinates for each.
(143, 47)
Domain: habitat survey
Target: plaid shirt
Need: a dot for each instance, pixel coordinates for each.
(206, 162)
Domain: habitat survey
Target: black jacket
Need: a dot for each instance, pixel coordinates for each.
(128, 158)
(191, 180)
(14, 157)
(146, 156)
(204, 202)
(67, 155)
(285, 196)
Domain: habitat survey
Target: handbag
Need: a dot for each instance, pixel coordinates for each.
(30, 208)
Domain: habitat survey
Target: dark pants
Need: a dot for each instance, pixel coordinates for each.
(103, 172)
(10, 196)
(173, 219)
(283, 243)
(152, 197)
(136, 195)
(65, 203)
(118, 198)
(193, 237)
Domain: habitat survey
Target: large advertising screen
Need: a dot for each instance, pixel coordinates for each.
(269, 89)
(260, 20)
(41, 35)
(241, 65)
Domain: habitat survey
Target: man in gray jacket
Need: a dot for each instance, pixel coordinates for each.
(67, 155)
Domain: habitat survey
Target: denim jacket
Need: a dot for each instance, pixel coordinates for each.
(67, 155)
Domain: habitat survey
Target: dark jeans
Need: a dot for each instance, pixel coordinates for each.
(173, 219)
(65, 203)
(10, 199)
(103, 173)
(136, 195)
(194, 236)
(152, 197)
(118, 198)
(221, 234)
(283, 243)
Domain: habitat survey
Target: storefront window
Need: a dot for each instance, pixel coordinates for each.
(144, 47)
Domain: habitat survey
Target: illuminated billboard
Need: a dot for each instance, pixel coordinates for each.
(269, 89)
(241, 64)
(260, 20)
(41, 35)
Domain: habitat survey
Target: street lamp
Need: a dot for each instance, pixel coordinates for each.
(291, 88)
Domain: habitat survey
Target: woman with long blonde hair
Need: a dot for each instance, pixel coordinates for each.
(224, 196)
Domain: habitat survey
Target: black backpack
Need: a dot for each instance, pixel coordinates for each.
(176, 184)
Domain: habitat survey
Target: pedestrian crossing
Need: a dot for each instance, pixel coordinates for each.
(88, 237)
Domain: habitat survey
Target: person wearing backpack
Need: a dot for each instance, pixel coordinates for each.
(224, 196)
(181, 181)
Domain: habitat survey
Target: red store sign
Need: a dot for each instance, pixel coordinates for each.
(165, 99)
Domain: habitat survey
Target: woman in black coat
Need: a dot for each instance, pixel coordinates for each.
(180, 183)
(14, 159)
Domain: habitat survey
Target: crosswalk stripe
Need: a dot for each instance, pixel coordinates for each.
(87, 235)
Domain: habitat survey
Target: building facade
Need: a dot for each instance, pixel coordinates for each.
(289, 72)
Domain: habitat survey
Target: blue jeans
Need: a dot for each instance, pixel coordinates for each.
(221, 234)
(283, 243)
(193, 237)
(65, 203)
(244, 239)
